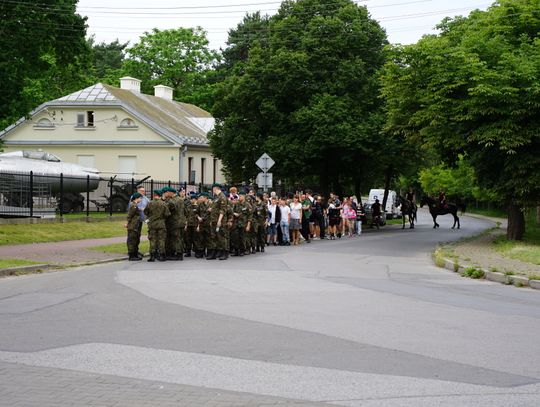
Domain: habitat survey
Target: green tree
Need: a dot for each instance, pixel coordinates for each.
(43, 54)
(475, 88)
(308, 96)
(107, 60)
(179, 58)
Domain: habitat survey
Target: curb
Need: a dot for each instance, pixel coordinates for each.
(32, 269)
(39, 268)
(495, 276)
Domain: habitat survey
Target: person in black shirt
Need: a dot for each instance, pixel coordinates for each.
(375, 213)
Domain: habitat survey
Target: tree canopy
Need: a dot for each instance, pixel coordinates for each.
(475, 89)
(307, 94)
(44, 54)
(179, 58)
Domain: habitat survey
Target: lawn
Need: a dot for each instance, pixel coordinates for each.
(529, 249)
(9, 263)
(56, 232)
(494, 212)
(120, 248)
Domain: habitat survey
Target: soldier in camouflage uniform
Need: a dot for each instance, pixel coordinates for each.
(156, 213)
(218, 225)
(175, 224)
(133, 226)
(202, 231)
(261, 214)
(192, 223)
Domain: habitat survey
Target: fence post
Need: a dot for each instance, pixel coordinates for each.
(61, 195)
(31, 194)
(88, 196)
(169, 183)
(133, 186)
(151, 188)
(110, 195)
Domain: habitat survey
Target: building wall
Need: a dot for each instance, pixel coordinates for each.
(157, 158)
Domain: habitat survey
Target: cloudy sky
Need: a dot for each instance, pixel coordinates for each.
(405, 21)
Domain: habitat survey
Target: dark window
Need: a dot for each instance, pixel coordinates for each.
(191, 173)
(203, 164)
(90, 118)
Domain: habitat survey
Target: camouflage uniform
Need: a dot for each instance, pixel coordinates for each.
(156, 213)
(218, 237)
(261, 214)
(192, 223)
(175, 227)
(202, 232)
(133, 229)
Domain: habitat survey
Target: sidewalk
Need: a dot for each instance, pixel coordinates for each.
(480, 252)
(66, 253)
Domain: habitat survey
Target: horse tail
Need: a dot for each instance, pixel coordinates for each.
(462, 207)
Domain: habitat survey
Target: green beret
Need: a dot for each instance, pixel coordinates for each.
(158, 192)
(135, 196)
(243, 193)
(216, 185)
(171, 189)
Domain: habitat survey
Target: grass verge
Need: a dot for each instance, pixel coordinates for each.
(527, 250)
(57, 232)
(9, 263)
(493, 213)
(120, 248)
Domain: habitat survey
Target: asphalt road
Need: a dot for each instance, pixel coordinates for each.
(365, 321)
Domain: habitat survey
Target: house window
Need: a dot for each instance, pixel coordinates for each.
(44, 123)
(127, 166)
(191, 171)
(214, 171)
(90, 118)
(128, 124)
(85, 119)
(80, 120)
(87, 161)
(203, 165)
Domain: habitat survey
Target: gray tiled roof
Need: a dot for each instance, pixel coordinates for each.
(180, 123)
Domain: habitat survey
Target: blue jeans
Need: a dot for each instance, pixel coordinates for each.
(285, 231)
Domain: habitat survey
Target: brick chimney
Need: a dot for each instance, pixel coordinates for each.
(164, 92)
(129, 83)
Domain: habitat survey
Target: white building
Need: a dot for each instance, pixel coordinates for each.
(122, 132)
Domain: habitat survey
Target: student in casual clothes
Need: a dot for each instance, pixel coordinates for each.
(285, 220)
(334, 218)
(296, 219)
(272, 226)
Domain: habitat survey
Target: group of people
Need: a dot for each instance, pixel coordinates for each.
(235, 223)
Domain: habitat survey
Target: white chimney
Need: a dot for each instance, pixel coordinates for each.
(129, 83)
(162, 91)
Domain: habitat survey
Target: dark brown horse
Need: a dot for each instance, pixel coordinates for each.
(407, 208)
(435, 209)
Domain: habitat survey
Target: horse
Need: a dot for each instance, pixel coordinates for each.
(435, 209)
(407, 208)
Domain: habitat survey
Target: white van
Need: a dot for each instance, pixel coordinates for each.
(392, 210)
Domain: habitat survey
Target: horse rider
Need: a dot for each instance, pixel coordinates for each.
(442, 199)
(410, 196)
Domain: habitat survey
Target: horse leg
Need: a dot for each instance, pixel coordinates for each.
(435, 224)
(403, 216)
(458, 223)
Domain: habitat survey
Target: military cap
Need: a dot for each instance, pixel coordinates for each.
(135, 196)
(216, 185)
(242, 193)
(171, 189)
(158, 192)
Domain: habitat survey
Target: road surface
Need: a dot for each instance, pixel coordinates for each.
(366, 321)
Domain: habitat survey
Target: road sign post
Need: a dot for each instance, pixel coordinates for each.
(264, 178)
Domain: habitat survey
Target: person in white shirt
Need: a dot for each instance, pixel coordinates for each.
(296, 219)
(285, 221)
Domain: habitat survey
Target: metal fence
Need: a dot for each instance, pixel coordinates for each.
(35, 195)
